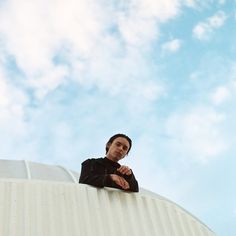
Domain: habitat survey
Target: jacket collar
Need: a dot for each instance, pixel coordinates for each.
(108, 161)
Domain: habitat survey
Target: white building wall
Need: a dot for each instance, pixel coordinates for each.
(44, 208)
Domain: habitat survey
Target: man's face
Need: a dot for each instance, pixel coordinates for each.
(117, 149)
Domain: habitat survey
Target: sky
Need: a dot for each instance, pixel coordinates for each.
(75, 72)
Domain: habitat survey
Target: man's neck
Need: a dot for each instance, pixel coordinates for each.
(111, 159)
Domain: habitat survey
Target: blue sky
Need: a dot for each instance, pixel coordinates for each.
(73, 73)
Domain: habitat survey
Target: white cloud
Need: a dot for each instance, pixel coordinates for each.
(13, 128)
(35, 32)
(190, 3)
(217, 20)
(90, 38)
(220, 95)
(172, 46)
(204, 30)
(200, 30)
(137, 31)
(196, 134)
(93, 43)
(162, 10)
(45, 83)
(225, 92)
(222, 2)
(12, 100)
(198, 4)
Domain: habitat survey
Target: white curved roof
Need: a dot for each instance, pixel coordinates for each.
(37, 171)
(38, 199)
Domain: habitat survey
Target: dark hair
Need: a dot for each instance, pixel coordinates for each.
(117, 136)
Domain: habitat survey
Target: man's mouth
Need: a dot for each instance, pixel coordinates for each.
(118, 153)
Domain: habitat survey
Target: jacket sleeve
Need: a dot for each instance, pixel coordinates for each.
(92, 174)
(89, 175)
(133, 183)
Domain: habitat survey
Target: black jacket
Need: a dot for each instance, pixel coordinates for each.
(97, 172)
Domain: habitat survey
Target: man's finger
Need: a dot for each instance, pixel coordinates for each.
(120, 181)
(125, 170)
(123, 183)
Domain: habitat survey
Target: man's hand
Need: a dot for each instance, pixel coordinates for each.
(120, 181)
(124, 170)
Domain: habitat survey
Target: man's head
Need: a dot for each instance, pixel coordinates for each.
(118, 146)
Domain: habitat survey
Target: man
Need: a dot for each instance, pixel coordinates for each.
(107, 172)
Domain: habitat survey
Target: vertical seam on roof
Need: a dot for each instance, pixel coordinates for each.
(27, 169)
(69, 173)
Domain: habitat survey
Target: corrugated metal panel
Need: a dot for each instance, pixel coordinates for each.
(43, 208)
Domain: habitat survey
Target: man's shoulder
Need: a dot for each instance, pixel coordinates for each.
(93, 160)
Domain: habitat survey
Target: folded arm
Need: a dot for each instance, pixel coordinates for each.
(90, 175)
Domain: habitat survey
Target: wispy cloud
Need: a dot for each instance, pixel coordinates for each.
(91, 38)
(196, 133)
(172, 46)
(204, 30)
(222, 2)
(12, 124)
(220, 95)
(47, 47)
(225, 92)
(198, 4)
(73, 73)
(12, 99)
